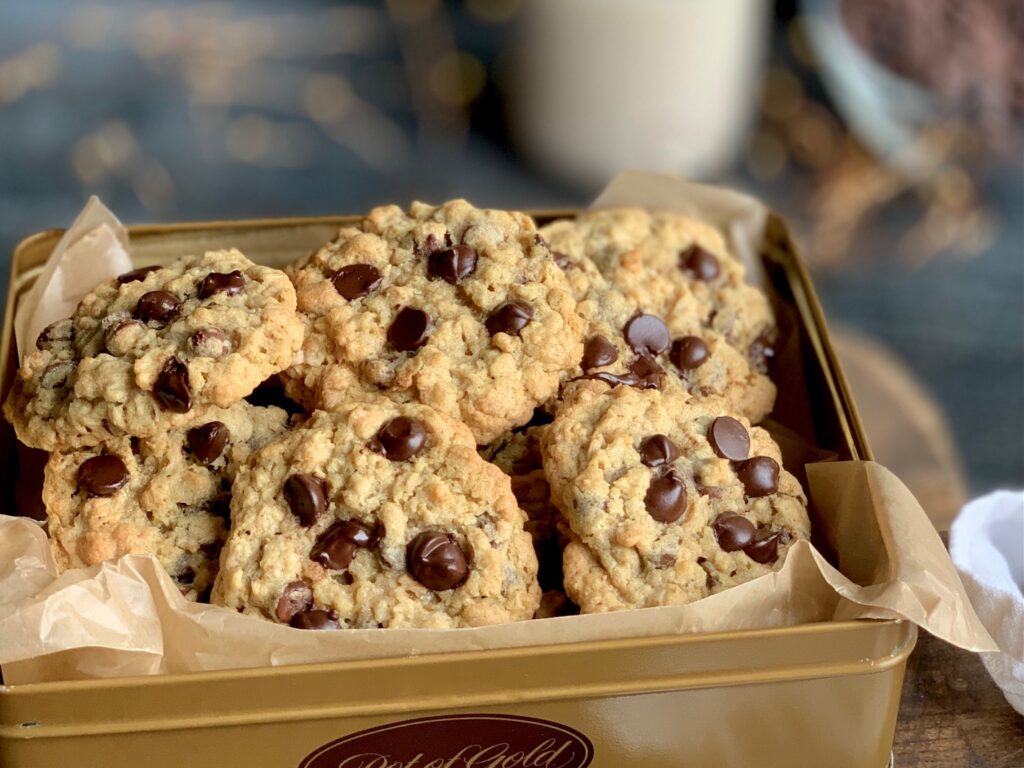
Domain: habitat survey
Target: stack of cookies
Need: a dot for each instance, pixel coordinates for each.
(474, 422)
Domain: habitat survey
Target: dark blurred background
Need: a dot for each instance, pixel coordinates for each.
(888, 132)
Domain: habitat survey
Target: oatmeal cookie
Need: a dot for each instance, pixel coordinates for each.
(455, 307)
(378, 514)
(167, 495)
(669, 498)
(144, 350)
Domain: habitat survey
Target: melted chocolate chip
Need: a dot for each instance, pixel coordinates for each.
(409, 330)
(453, 265)
(136, 275)
(400, 439)
(699, 263)
(102, 475)
(209, 342)
(315, 619)
(306, 496)
(598, 352)
(337, 545)
(157, 307)
(296, 598)
(764, 551)
(356, 280)
(643, 373)
(511, 317)
(688, 353)
(562, 260)
(207, 441)
(171, 388)
(647, 335)
(657, 450)
(734, 532)
(666, 498)
(60, 332)
(759, 475)
(436, 561)
(729, 438)
(231, 283)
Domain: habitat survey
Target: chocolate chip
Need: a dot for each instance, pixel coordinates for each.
(647, 335)
(121, 337)
(562, 260)
(734, 532)
(356, 280)
(207, 441)
(436, 561)
(453, 265)
(598, 352)
(401, 438)
(296, 598)
(759, 475)
(698, 262)
(56, 375)
(688, 353)
(230, 283)
(136, 275)
(729, 438)
(102, 475)
(666, 498)
(55, 334)
(511, 317)
(209, 342)
(307, 497)
(648, 374)
(409, 330)
(657, 450)
(157, 307)
(337, 545)
(315, 619)
(171, 389)
(762, 354)
(764, 550)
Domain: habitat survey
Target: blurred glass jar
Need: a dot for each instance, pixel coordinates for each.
(598, 86)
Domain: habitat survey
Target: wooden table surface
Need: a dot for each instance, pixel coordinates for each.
(953, 715)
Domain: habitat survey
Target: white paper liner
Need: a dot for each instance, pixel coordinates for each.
(127, 617)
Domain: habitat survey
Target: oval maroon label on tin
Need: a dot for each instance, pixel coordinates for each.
(458, 741)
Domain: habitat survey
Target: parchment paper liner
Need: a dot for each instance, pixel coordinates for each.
(127, 617)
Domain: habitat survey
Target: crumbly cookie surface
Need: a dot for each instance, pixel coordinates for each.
(167, 495)
(517, 454)
(669, 497)
(146, 349)
(455, 307)
(378, 514)
(663, 298)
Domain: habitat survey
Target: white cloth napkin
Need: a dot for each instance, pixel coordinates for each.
(986, 543)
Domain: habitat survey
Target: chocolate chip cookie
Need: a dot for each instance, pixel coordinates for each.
(378, 514)
(166, 495)
(458, 308)
(669, 497)
(143, 351)
(663, 297)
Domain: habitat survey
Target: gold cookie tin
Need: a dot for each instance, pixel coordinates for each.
(823, 694)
